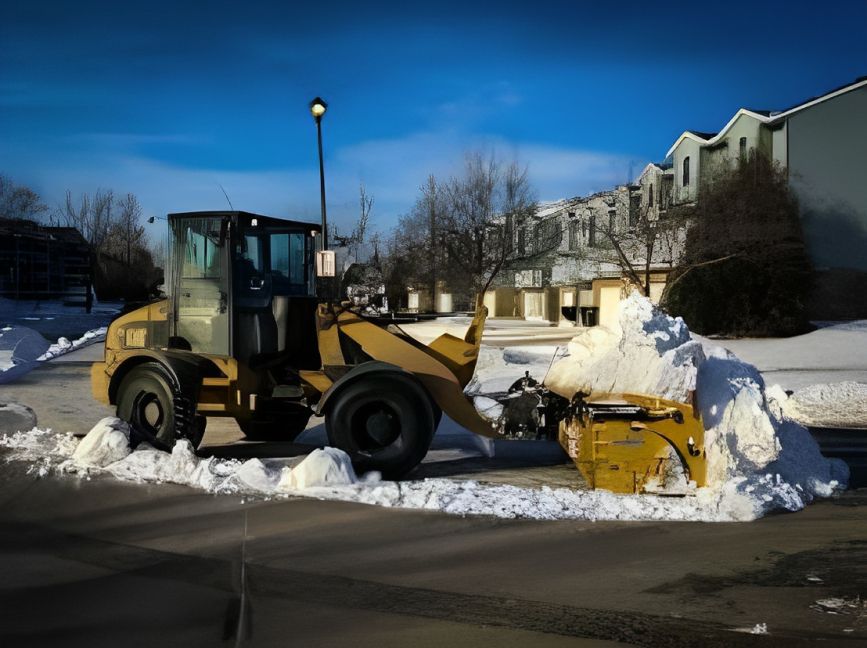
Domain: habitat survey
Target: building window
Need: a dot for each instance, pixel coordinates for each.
(573, 235)
(612, 217)
(686, 171)
(592, 240)
(522, 249)
(650, 196)
(634, 209)
(743, 148)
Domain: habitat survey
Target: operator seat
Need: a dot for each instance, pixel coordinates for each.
(257, 336)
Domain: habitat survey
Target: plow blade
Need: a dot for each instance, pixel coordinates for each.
(633, 443)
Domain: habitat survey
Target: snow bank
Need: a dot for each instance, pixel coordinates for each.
(842, 404)
(105, 449)
(327, 474)
(758, 459)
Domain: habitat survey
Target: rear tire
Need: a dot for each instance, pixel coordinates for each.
(149, 402)
(383, 422)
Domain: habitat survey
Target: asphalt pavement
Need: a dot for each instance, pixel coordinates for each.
(98, 562)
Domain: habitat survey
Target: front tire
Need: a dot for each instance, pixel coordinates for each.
(149, 402)
(384, 423)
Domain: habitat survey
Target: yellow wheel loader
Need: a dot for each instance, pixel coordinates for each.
(242, 334)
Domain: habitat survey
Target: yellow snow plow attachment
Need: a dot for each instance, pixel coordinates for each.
(632, 443)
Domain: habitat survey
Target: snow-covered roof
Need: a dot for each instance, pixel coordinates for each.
(766, 116)
(547, 208)
(705, 139)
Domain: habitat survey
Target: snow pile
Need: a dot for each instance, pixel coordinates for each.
(325, 467)
(842, 404)
(757, 459)
(105, 449)
(105, 444)
(652, 353)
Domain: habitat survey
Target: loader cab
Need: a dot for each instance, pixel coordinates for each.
(242, 285)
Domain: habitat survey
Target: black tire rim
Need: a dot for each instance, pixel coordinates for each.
(149, 413)
(375, 426)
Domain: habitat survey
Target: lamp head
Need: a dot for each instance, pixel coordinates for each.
(318, 108)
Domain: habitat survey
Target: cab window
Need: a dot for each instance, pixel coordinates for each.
(288, 261)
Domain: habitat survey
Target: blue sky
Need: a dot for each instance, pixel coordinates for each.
(170, 100)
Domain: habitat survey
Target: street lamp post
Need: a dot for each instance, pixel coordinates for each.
(317, 109)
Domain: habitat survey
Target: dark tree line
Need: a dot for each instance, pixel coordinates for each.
(125, 259)
(745, 268)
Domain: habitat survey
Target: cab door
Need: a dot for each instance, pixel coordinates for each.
(201, 300)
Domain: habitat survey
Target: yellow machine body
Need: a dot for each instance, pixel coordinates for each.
(230, 388)
(631, 443)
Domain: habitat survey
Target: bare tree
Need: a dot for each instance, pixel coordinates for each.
(463, 231)
(484, 207)
(644, 242)
(18, 201)
(126, 231)
(430, 205)
(92, 216)
(357, 238)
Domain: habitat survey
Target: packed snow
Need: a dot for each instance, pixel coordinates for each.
(758, 459)
(842, 404)
(650, 353)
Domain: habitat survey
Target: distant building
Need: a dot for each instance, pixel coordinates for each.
(565, 270)
(822, 144)
(38, 262)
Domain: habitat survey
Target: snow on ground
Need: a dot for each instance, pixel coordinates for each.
(842, 404)
(497, 369)
(327, 474)
(821, 356)
(826, 369)
(758, 460)
(29, 348)
(498, 332)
